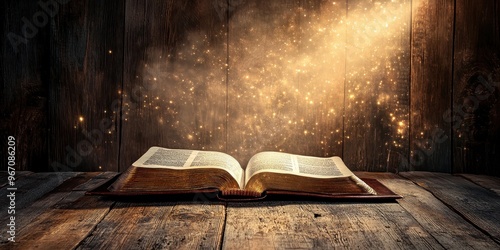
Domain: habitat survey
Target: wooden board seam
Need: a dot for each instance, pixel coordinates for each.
(95, 225)
(223, 231)
(476, 183)
(496, 240)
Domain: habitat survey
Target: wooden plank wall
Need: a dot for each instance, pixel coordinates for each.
(431, 85)
(86, 75)
(377, 84)
(388, 85)
(25, 78)
(286, 90)
(476, 84)
(174, 92)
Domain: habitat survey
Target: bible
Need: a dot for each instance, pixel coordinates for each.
(171, 171)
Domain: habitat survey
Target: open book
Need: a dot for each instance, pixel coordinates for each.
(162, 170)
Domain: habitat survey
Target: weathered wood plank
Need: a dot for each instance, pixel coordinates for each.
(431, 84)
(159, 225)
(86, 73)
(264, 55)
(475, 86)
(377, 84)
(34, 186)
(24, 73)
(286, 77)
(175, 76)
(64, 225)
(320, 78)
(3, 178)
(489, 182)
(73, 187)
(478, 205)
(3, 46)
(280, 225)
(18, 175)
(444, 224)
(95, 181)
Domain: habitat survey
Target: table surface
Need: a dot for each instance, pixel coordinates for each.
(438, 211)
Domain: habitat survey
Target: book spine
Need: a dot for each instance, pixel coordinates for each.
(239, 192)
(363, 185)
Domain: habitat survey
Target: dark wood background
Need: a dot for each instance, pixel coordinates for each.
(388, 85)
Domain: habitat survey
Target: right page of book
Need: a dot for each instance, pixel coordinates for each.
(277, 162)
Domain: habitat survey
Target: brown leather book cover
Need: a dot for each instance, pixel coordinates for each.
(213, 194)
(211, 175)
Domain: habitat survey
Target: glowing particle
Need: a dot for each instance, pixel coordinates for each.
(80, 118)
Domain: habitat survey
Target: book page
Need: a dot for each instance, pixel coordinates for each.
(316, 167)
(157, 157)
(264, 161)
(324, 167)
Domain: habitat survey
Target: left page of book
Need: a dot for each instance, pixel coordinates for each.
(180, 159)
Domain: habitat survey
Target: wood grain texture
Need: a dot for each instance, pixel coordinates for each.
(175, 77)
(96, 181)
(444, 224)
(431, 85)
(263, 47)
(159, 225)
(286, 78)
(315, 77)
(431, 217)
(69, 190)
(34, 186)
(86, 72)
(476, 75)
(18, 175)
(24, 73)
(279, 225)
(321, 79)
(489, 182)
(68, 223)
(478, 205)
(35, 194)
(377, 84)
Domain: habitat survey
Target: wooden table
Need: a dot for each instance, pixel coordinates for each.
(438, 211)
